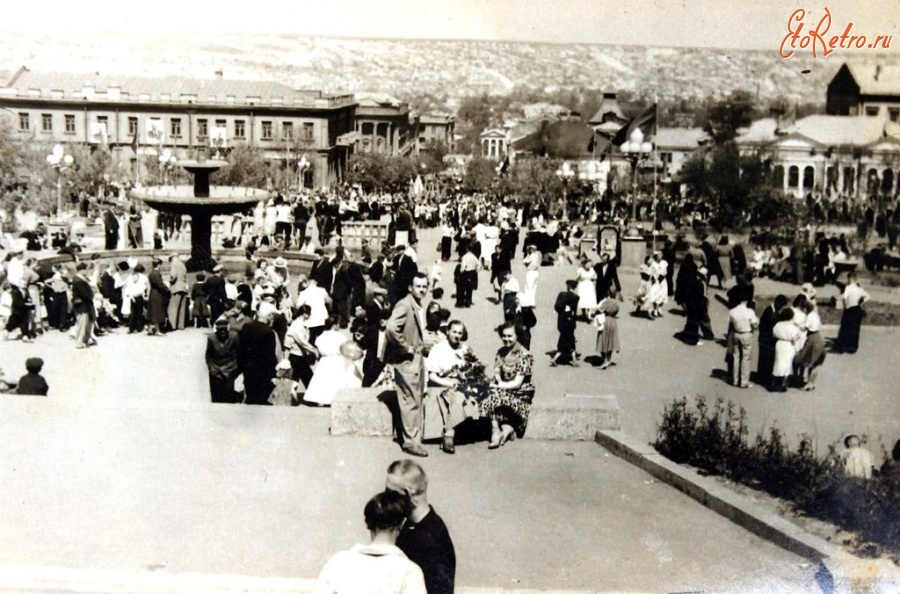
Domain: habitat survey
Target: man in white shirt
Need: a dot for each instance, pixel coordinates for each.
(742, 321)
(848, 335)
(318, 300)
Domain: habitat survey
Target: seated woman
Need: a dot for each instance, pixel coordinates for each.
(451, 365)
(511, 392)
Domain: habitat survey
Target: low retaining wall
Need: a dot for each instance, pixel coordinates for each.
(368, 411)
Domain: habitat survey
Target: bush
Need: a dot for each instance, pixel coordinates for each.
(714, 440)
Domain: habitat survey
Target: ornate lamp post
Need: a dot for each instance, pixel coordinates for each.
(589, 175)
(60, 161)
(565, 173)
(302, 165)
(635, 149)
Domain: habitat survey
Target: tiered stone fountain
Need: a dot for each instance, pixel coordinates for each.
(202, 203)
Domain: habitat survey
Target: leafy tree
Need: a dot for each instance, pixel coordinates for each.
(247, 167)
(725, 117)
(533, 180)
(376, 172)
(480, 174)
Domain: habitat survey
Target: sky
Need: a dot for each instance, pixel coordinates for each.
(749, 24)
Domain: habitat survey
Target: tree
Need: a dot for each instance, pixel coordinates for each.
(247, 167)
(379, 173)
(725, 117)
(533, 180)
(480, 174)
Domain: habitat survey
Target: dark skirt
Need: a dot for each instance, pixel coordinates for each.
(848, 335)
(813, 352)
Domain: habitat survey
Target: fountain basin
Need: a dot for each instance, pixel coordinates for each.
(181, 199)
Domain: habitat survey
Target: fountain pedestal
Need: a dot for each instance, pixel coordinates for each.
(202, 202)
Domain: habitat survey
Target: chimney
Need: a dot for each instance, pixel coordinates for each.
(219, 74)
(877, 71)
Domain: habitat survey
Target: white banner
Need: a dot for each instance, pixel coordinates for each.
(98, 133)
(218, 136)
(155, 132)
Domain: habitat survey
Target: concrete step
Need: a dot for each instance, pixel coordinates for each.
(368, 411)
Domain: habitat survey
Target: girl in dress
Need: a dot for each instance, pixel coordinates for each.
(605, 320)
(587, 292)
(786, 334)
(642, 299)
(659, 288)
(334, 371)
(285, 387)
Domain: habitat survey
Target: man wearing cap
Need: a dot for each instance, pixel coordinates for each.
(215, 292)
(222, 362)
(159, 294)
(258, 355)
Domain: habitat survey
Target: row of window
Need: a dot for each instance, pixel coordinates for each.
(893, 112)
(175, 127)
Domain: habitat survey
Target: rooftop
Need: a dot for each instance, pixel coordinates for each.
(688, 138)
(876, 79)
(827, 130)
(173, 89)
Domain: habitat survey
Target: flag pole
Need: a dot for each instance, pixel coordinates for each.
(655, 161)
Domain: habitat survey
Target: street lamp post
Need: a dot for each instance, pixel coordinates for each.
(590, 174)
(60, 161)
(565, 173)
(635, 149)
(302, 165)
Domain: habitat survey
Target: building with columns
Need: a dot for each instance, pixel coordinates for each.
(137, 117)
(851, 156)
(494, 143)
(383, 125)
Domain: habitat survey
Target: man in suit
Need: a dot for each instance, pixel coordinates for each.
(215, 292)
(607, 276)
(83, 304)
(111, 225)
(404, 352)
(258, 355)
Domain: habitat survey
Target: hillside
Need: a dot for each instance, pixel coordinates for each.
(446, 70)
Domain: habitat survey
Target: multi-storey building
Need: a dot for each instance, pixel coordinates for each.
(865, 90)
(139, 117)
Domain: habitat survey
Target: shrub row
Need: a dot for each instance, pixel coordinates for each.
(715, 441)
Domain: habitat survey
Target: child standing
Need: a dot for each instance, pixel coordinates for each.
(285, 387)
(199, 305)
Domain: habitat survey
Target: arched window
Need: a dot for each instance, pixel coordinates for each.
(779, 176)
(848, 186)
(871, 181)
(809, 177)
(887, 181)
(793, 176)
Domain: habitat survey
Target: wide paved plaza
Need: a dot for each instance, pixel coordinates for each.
(128, 466)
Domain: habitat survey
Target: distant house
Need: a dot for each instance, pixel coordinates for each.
(675, 145)
(609, 117)
(865, 90)
(434, 129)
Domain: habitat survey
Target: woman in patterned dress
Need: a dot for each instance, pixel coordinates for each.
(511, 391)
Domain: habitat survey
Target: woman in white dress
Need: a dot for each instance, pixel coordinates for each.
(659, 287)
(334, 371)
(786, 333)
(587, 291)
(532, 261)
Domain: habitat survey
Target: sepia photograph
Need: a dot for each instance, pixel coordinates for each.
(472, 296)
